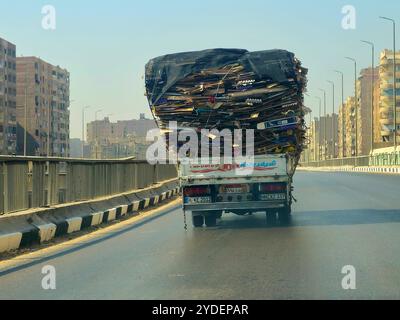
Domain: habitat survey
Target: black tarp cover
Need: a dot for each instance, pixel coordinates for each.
(164, 72)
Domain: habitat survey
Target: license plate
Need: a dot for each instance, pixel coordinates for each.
(271, 197)
(197, 200)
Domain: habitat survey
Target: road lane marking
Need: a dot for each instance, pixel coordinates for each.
(47, 253)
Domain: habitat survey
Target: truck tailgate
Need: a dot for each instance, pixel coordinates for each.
(260, 166)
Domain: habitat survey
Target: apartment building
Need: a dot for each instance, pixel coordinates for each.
(110, 140)
(366, 109)
(314, 151)
(386, 97)
(329, 136)
(8, 102)
(42, 108)
(350, 127)
(342, 131)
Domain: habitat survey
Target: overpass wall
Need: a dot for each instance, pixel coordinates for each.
(27, 183)
(389, 159)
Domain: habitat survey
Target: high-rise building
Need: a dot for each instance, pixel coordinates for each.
(386, 99)
(42, 108)
(323, 138)
(8, 102)
(377, 116)
(314, 141)
(329, 136)
(350, 127)
(365, 110)
(121, 139)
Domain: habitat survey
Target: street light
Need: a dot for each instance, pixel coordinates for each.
(333, 119)
(343, 120)
(356, 100)
(324, 122)
(394, 80)
(372, 92)
(83, 129)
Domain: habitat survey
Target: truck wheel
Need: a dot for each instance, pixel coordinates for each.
(211, 220)
(285, 216)
(219, 215)
(271, 217)
(198, 221)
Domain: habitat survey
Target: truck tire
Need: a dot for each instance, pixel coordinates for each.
(219, 215)
(211, 220)
(198, 221)
(271, 218)
(285, 215)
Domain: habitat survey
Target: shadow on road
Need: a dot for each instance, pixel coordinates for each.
(316, 218)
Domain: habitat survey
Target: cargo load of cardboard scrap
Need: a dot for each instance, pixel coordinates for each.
(232, 89)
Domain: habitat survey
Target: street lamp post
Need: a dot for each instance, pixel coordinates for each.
(325, 140)
(394, 80)
(343, 120)
(333, 120)
(83, 129)
(356, 101)
(372, 92)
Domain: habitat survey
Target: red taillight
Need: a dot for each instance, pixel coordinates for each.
(196, 191)
(273, 187)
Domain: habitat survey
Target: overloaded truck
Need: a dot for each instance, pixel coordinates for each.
(214, 90)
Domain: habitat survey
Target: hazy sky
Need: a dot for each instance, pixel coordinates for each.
(105, 44)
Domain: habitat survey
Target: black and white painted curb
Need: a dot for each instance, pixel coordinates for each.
(40, 231)
(388, 170)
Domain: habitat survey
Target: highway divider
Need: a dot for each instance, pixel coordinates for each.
(44, 198)
(27, 183)
(372, 170)
(24, 229)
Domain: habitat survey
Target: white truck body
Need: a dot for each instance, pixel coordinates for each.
(249, 185)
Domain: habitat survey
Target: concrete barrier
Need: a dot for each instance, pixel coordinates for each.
(47, 232)
(96, 219)
(10, 241)
(42, 225)
(372, 170)
(33, 182)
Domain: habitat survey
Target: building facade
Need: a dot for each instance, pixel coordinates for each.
(329, 136)
(350, 127)
(8, 98)
(342, 131)
(43, 108)
(314, 147)
(367, 82)
(386, 98)
(121, 139)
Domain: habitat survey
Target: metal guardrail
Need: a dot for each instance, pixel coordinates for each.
(379, 160)
(41, 182)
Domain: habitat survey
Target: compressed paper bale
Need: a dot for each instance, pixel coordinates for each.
(232, 89)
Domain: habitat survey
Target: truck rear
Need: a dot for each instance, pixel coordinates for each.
(230, 102)
(261, 184)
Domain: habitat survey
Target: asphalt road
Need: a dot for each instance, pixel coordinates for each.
(340, 219)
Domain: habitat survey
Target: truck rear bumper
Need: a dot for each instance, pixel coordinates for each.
(223, 206)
